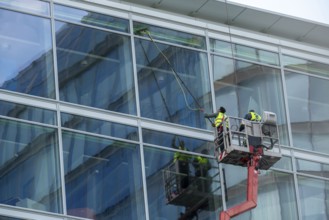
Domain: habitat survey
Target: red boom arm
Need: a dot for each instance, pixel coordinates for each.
(252, 192)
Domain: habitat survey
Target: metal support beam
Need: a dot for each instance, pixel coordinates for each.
(252, 192)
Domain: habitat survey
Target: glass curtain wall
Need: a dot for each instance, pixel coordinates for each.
(103, 171)
(103, 178)
(173, 81)
(241, 86)
(29, 166)
(178, 185)
(309, 111)
(94, 65)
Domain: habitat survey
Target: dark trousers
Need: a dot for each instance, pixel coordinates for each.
(183, 167)
(220, 138)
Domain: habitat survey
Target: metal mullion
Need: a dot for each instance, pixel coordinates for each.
(59, 130)
(285, 98)
(299, 212)
(61, 162)
(144, 183)
(211, 72)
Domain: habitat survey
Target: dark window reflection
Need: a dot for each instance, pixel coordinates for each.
(102, 178)
(201, 197)
(26, 58)
(95, 68)
(99, 126)
(26, 112)
(308, 108)
(241, 86)
(176, 92)
(29, 167)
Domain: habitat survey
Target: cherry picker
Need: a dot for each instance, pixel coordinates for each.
(256, 147)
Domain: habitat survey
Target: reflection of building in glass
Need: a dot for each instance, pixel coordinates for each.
(92, 96)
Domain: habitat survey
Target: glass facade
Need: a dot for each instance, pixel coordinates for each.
(96, 105)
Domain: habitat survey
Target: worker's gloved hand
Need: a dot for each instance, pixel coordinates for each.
(213, 124)
(206, 115)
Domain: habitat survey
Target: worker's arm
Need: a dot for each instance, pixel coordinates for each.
(213, 115)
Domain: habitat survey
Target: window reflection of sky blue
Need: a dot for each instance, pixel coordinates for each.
(34, 6)
(25, 41)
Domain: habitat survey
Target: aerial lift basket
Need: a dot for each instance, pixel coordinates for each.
(261, 138)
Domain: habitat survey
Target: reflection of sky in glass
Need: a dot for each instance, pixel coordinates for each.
(34, 6)
(90, 18)
(23, 39)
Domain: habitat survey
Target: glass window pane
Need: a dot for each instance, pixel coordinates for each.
(284, 163)
(168, 35)
(221, 47)
(257, 55)
(103, 178)
(313, 195)
(26, 58)
(177, 92)
(310, 126)
(29, 166)
(26, 112)
(307, 66)
(312, 168)
(99, 126)
(172, 141)
(95, 68)
(241, 86)
(276, 195)
(91, 18)
(245, 52)
(178, 191)
(34, 6)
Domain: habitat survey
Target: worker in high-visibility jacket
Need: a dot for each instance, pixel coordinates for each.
(255, 118)
(251, 116)
(221, 123)
(183, 161)
(201, 167)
